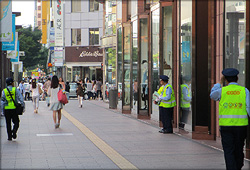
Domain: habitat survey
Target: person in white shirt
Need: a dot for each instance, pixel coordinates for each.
(35, 94)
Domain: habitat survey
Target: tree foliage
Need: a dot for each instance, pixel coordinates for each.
(35, 53)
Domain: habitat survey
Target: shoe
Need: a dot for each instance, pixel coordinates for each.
(48, 105)
(81, 106)
(57, 125)
(9, 139)
(162, 131)
(14, 135)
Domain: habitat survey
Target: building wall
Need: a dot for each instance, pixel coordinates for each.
(83, 20)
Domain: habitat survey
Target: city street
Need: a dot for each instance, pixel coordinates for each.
(95, 137)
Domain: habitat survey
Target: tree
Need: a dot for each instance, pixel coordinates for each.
(35, 53)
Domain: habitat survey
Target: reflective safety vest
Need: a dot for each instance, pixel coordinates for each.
(160, 91)
(168, 103)
(10, 103)
(232, 106)
(185, 103)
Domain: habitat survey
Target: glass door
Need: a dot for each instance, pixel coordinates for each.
(143, 71)
(126, 86)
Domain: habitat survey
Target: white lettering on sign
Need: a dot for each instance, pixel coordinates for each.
(89, 54)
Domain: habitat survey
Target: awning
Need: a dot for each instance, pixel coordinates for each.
(83, 64)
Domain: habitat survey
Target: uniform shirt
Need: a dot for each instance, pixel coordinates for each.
(168, 93)
(216, 95)
(19, 98)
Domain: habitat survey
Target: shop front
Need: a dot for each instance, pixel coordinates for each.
(83, 62)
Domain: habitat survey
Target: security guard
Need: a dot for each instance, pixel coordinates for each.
(167, 102)
(9, 108)
(234, 105)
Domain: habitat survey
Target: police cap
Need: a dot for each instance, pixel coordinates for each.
(164, 78)
(230, 72)
(9, 81)
(186, 78)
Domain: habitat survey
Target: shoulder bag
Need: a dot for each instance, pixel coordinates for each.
(62, 98)
(19, 107)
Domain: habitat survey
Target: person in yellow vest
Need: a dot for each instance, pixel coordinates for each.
(234, 105)
(9, 108)
(167, 102)
(185, 101)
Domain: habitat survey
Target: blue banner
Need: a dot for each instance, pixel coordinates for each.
(186, 52)
(17, 54)
(11, 45)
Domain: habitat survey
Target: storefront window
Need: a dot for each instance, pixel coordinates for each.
(235, 37)
(126, 69)
(155, 59)
(144, 64)
(185, 121)
(76, 73)
(110, 62)
(167, 42)
(135, 62)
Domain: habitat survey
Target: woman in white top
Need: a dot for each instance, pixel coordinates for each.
(35, 94)
(56, 106)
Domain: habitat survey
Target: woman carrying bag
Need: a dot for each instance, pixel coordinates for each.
(36, 91)
(56, 106)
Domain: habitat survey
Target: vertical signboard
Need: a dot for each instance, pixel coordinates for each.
(58, 15)
(11, 45)
(12, 53)
(17, 54)
(6, 21)
(44, 21)
(58, 56)
(52, 37)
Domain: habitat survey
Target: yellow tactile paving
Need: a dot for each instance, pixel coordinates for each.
(114, 156)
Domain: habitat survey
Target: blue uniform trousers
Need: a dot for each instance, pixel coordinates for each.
(232, 138)
(166, 115)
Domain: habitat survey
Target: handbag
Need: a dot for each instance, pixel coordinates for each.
(62, 98)
(19, 107)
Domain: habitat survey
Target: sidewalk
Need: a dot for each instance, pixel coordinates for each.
(87, 136)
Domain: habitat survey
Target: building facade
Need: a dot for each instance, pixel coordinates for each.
(83, 30)
(189, 41)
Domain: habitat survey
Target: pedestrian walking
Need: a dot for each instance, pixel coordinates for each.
(67, 89)
(89, 89)
(9, 108)
(167, 102)
(27, 91)
(61, 83)
(234, 105)
(36, 90)
(94, 90)
(21, 88)
(80, 92)
(56, 106)
(99, 89)
(46, 86)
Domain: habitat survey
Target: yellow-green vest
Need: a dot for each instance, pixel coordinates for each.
(232, 106)
(169, 103)
(185, 103)
(160, 92)
(10, 103)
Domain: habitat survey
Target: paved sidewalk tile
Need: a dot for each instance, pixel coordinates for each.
(40, 146)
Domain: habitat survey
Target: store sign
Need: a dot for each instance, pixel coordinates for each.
(58, 8)
(12, 44)
(90, 54)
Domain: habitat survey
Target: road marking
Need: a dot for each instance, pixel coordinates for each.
(55, 134)
(113, 155)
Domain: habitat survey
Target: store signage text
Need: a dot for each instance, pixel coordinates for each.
(90, 54)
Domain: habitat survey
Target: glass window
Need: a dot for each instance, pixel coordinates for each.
(144, 64)
(75, 6)
(75, 37)
(126, 69)
(135, 62)
(155, 59)
(94, 36)
(93, 5)
(235, 37)
(110, 72)
(119, 58)
(185, 121)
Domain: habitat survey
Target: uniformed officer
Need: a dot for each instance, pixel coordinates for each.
(167, 98)
(9, 108)
(234, 105)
